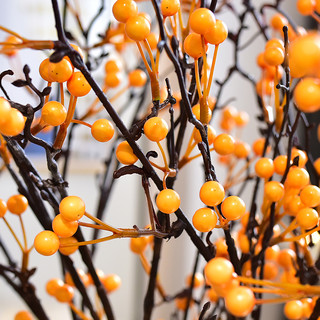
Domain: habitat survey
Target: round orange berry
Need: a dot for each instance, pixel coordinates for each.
(224, 144)
(23, 315)
(17, 204)
(137, 78)
(102, 130)
(77, 85)
(297, 178)
(307, 218)
(64, 228)
(310, 196)
(72, 208)
(211, 193)
(169, 7)
(60, 71)
(52, 285)
(138, 245)
(113, 79)
(64, 247)
(306, 7)
(65, 293)
(53, 113)
(46, 243)
(217, 34)
(111, 282)
(204, 219)
(274, 190)
(168, 201)
(264, 168)
(218, 271)
(124, 9)
(137, 28)
(14, 123)
(155, 129)
(124, 154)
(201, 20)
(293, 310)
(233, 208)
(307, 95)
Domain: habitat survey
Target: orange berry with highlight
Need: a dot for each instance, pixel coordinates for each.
(77, 85)
(297, 178)
(53, 113)
(64, 228)
(201, 20)
(111, 282)
(264, 168)
(9, 48)
(307, 218)
(124, 9)
(72, 208)
(102, 130)
(302, 156)
(310, 196)
(14, 123)
(280, 164)
(156, 129)
(218, 271)
(112, 66)
(217, 34)
(193, 46)
(44, 70)
(138, 245)
(198, 280)
(306, 7)
(286, 258)
(272, 253)
(233, 208)
(224, 144)
(52, 286)
(113, 79)
(65, 293)
(168, 201)
(241, 149)
(278, 21)
(293, 310)
(68, 250)
(46, 243)
(23, 315)
(258, 146)
(137, 78)
(273, 56)
(124, 154)
(307, 95)
(60, 71)
(137, 28)
(169, 7)
(211, 193)
(204, 219)
(274, 190)
(3, 208)
(17, 204)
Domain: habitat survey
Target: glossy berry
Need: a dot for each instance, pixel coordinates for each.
(274, 190)
(138, 245)
(113, 79)
(204, 219)
(224, 144)
(124, 9)
(52, 286)
(310, 196)
(201, 20)
(196, 111)
(5, 108)
(72, 208)
(3, 208)
(307, 95)
(307, 218)
(17, 204)
(273, 56)
(297, 178)
(44, 70)
(102, 130)
(278, 21)
(113, 65)
(9, 48)
(286, 258)
(77, 85)
(211, 193)
(68, 250)
(233, 208)
(211, 133)
(240, 301)
(193, 46)
(241, 149)
(198, 280)
(169, 7)
(218, 271)
(14, 123)
(60, 71)
(23, 315)
(264, 168)
(155, 129)
(293, 310)
(46, 243)
(258, 146)
(280, 164)
(137, 28)
(65, 293)
(217, 34)
(53, 113)
(168, 201)
(306, 7)
(64, 228)
(111, 282)
(124, 154)
(137, 78)
(302, 157)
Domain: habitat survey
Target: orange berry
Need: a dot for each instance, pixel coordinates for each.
(198, 280)
(286, 258)
(273, 56)
(244, 243)
(182, 303)
(137, 28)
(9, 48)
(317, 8)
(124, 9)
(201, 20)
(221, 248)
(307, 218)
(224, 144)
(307, 95)
(270, 271)
(280, 164)
(264, 168)
(155, 129)
(217, 34)
(307, 305)
(278, 21)
(111, 282)
(274, 190)
(260, 60)
(59, 71)
(193, 46)
(152, 40)
(293, 310)
(295, 204)
(138, 245)
(218, 271)
(240, 301)
(306, 7)
(52, 286)
(14, 123)
(65, 293)
(17, 204)
(310, 196)
(23, 315)
(302, 156)
(5, 108)
(211, 193)
(53, 113)
(113, 65)
(46, 243)
(124, 154)
(113, 79)
(77, 85)
(258, 146)
(212, 295)
(211, 135)
(304, 55)
(3, 208)
(168, 201)
(316, 165)
(68, 250)
(196, 111)
(265, 87)
(241, 149)
(204, 219)
(297, 178)
(137, 78)
(102, 130)
(272, 253)
(223, 289)
(233, 208)
(241, 118)
(169, 7)
(64, 228)
(72, 208)
(44, 70)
